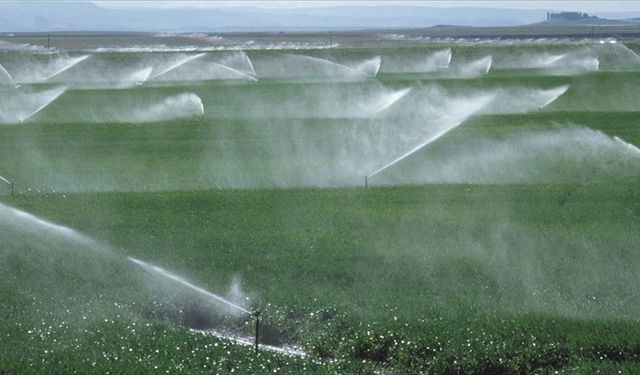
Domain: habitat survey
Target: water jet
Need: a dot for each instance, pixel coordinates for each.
(322, 62)
(166, 274)
(18, 106)
(139, 77)
(8, 182)
(235, 71)
(443, 130)
(186, 69)
(54, 95)
(549, 60)
(369, 67)
(305, 66)
(33, 223)
(628, 145)
(390, 99)
(476, 68)
(432, 62)
(178, 64)
(554, 94)
(68, 66)
(4, 73)
(251, 68)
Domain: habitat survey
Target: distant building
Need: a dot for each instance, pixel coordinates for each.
(569, 16)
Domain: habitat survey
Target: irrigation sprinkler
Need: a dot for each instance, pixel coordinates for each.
(8, 182)
(256, 314)
(366, 182)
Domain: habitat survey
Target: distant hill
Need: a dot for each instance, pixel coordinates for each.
(42, 16)
(82, 16)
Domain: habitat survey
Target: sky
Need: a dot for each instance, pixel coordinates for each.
(585, 6)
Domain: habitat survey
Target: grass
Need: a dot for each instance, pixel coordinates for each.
(234, 147)
(528, 271)
(382, 275)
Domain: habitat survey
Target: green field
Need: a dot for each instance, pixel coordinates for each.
(507, 244)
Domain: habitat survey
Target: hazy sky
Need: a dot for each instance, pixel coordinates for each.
(585, 6)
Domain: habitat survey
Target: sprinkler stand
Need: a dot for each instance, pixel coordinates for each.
(256, 314)
(366, 182)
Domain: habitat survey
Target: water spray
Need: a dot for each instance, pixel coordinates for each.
(155, 269)
(413, 150)
(70, 64)
(626, 144)
(476, 68)
(387, 100)
(51, 95)
(367, 68)
(169, 275)
(432, 62)
(177, 64)
(29, 222)
(482, 102)
(229, 69)
(555, 93)
(253, 71)
(141, 76)
(4, 72)
(8, 182)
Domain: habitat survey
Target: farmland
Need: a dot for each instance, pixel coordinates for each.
(497, 233)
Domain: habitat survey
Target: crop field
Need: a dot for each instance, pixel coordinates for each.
(413, 208)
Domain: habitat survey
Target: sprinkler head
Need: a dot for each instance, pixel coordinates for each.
(256, 313)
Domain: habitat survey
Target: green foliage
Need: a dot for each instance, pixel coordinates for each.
(366, 296)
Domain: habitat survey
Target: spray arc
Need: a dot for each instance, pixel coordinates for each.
(10, 183)
(164, 273)
(477, 104)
